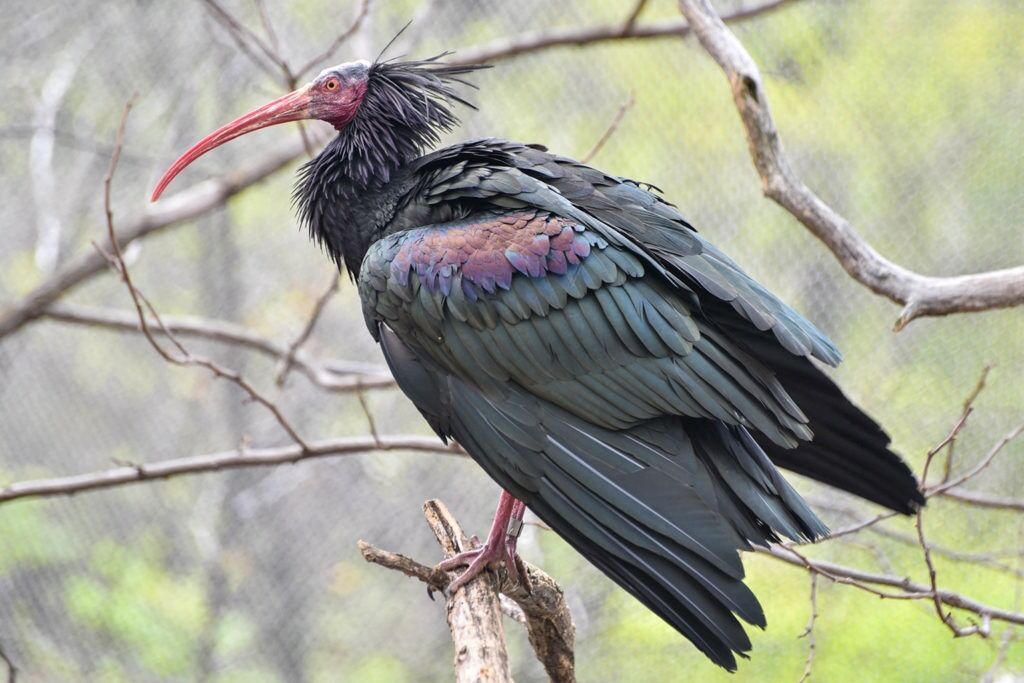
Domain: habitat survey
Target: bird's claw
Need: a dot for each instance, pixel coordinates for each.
(480, 558)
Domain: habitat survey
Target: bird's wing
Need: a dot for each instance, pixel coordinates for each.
(592, 393)
(539, 300)
(850, 451)
(507, 174)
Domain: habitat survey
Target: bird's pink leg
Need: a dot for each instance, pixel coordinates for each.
(500, 545)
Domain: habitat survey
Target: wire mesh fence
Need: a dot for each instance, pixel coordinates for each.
(904, 117)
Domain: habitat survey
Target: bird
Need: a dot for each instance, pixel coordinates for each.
(606, 365)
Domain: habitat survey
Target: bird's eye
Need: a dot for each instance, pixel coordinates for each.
(332, 84)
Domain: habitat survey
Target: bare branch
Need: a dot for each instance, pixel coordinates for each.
(946, 618)
(214, 462)
(171, 211)
(525, 43)
(12, 670)
(947, 468)
(921, 295)
(336, 376)
(538, 602)
(978, 468)
(908, 590)
(809, 631)
(474, 611)
(983, 500)
(612, 127)
(182, 357)
(364, 10)
(251, 44)
(288, 359)
(634, 14)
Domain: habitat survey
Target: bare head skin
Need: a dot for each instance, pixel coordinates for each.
(333, 96)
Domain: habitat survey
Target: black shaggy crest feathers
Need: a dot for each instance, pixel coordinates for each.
(406, 109)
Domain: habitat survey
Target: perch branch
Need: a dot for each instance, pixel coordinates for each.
(474, 612)
(920, 295)
(538, 602)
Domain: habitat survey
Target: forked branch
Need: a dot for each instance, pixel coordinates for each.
(474, 612)
(921, 295)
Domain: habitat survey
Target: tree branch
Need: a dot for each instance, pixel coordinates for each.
(288, 358)
(921, 295)
(539, 601)
(983, 500)
(178, 355)
(525, 43)
(133, 473)
(173, 210)
(610, 131)
(337, 376)
(12, 670)
(909, 590)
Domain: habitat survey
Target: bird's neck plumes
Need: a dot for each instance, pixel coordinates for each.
(406, 109)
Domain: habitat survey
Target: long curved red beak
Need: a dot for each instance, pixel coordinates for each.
(292, 107)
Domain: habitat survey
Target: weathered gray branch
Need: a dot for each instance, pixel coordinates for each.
(921, 295)
(243, 457)
(474, 612)
(538, 602)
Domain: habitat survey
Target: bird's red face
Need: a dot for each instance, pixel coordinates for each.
(334, 96)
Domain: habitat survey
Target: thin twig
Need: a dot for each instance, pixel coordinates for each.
(371, 423)
(634, 14)
(809, 631)
(983, 500)
(947, 469)
(12, 670)
(248, 41)
(331, 375)
(183, 357)
(612, 127)
(364, 10)
(946, 618)
(978, 468)
(288, 359)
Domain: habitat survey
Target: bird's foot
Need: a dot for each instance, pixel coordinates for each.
(479, 559)
(499, 548)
